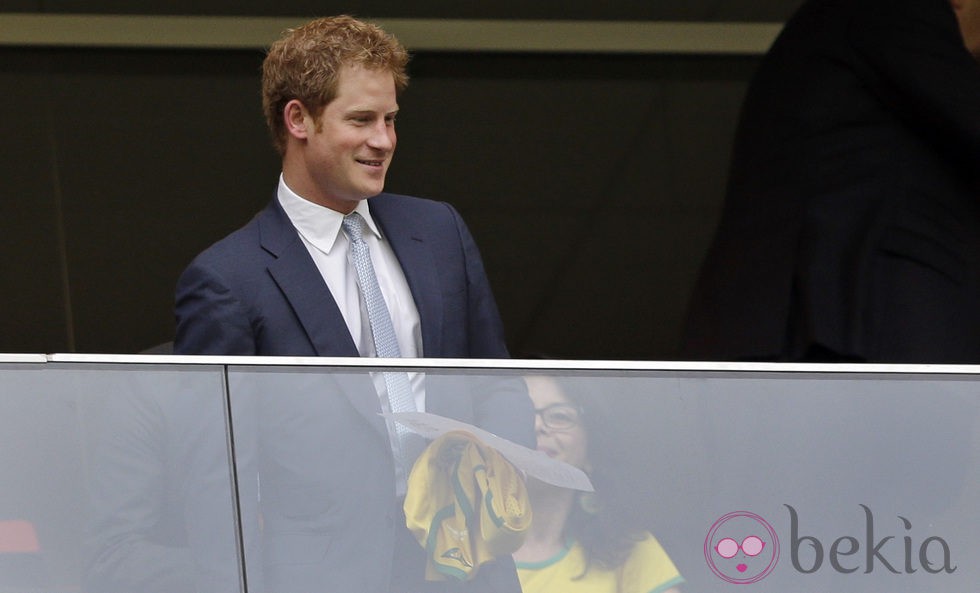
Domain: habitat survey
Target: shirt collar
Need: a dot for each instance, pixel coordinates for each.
(317, 224)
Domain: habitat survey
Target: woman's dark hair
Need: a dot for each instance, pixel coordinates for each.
(609, 525)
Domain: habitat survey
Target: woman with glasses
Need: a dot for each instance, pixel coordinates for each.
(586, 542)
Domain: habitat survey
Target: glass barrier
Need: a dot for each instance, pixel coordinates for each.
(115, 478)
(774, 477)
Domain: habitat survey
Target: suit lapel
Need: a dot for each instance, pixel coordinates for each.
(407, 239)
(303, 287)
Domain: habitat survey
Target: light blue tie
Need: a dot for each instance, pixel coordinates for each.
(400, 398)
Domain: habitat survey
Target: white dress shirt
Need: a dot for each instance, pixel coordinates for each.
(320, 230)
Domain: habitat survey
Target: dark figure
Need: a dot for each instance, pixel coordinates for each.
(851, 229)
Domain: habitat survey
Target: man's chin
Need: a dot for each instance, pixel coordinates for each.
(373, 190)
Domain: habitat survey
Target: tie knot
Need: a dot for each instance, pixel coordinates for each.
(353, 225)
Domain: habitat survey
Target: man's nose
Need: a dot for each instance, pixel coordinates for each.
(382, 136)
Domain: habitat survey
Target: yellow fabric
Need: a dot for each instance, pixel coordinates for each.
(466, 505)
(647, 570)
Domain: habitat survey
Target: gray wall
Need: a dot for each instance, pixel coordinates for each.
(591, 182)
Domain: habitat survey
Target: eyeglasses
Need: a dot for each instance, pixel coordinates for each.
(559, 416)
(751, 546)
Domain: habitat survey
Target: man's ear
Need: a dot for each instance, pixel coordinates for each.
(298, 120)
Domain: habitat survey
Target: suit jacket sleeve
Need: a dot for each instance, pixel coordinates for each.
(485, 331)
(501, 404)
(128, 503)
(210, 318)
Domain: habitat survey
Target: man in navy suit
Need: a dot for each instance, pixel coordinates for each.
(285, 285)
(851, 229)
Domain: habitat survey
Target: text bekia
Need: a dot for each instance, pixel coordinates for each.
(843, 552)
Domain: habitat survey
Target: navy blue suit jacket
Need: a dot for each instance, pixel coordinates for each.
(331, 519)
(258, 292)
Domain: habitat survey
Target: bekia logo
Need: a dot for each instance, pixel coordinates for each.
(742, 548)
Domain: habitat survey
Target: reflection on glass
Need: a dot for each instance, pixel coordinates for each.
(41, 487)
(118, 478)
(581, 541)
(161, 514)
(331, 513)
